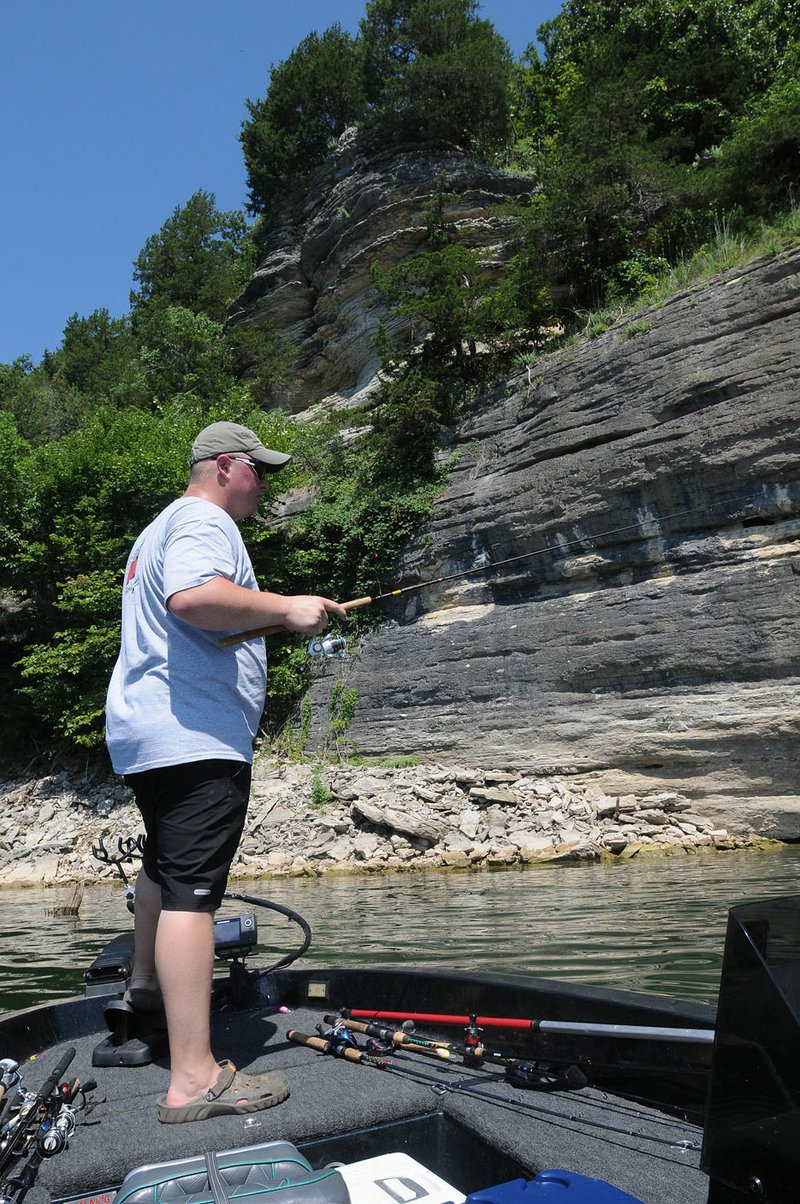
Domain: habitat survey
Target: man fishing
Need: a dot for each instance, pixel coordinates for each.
(181, 716)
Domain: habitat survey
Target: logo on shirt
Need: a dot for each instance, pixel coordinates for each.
(131, 573)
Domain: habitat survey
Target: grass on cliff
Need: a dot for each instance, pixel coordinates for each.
(726, 250)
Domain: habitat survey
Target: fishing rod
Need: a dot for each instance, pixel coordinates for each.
(39, 1126)
(472, 1050)
(402, 1037)
(520, 1072)
(338, 1039)
(355, 603)
(9, 1077)
(697, 1036)
(32, 1111)
(337, 1049)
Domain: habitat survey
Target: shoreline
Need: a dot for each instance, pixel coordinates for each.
(319, 819)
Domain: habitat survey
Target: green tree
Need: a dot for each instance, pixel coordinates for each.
(98, 357)
(461, 322)
(199, 260)
(183, 352)
(694, 64)
(313, 96)
(532, 109)
(604, 193)
(43, 405)
(69, 513)
(757, 169)
(435, 71)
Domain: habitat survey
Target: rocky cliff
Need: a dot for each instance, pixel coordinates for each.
(365, 206)
(651, 635)
(649, 478)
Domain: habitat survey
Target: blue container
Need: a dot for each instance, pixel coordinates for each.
(555, 1186)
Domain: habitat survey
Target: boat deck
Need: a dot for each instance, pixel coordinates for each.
(440, 1113)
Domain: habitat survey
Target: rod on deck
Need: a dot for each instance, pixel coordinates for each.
(641, 1032)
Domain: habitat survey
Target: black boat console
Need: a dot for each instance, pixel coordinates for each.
(752, 1129)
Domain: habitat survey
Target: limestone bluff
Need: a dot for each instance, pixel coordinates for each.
(664, 658)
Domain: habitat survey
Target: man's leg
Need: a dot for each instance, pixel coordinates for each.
(199, 812)
(185, 962)
(147, 909)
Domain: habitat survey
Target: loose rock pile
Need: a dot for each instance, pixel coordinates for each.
(319, 819)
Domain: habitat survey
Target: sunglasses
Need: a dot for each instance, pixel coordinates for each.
(259, 469)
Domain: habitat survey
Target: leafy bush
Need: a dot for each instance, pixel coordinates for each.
(70, 512)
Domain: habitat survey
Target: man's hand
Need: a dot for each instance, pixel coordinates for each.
(219, 605)
(308, 614)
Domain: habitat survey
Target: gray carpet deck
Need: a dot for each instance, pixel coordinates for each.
(650, 1155)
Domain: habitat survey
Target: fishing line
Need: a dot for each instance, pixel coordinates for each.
(570, 543)
(570, 1121)
(493, 565)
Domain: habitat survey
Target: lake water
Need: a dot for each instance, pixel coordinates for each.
(638, 925)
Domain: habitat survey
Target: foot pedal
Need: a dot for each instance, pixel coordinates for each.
(136, 1038)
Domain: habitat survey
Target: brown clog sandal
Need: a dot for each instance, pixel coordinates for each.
(233, 1094)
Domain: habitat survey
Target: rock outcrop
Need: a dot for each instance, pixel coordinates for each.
(649, 637)
(364, 207)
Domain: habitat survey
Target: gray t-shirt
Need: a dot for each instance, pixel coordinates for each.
(175, 695)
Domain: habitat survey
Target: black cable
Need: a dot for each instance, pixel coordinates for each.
(290, 915)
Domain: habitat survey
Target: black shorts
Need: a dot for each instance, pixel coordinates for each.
(194, 817)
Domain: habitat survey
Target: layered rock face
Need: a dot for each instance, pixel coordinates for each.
(364, 206)
(648, 638)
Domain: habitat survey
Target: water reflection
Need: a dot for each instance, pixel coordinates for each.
(650, 926)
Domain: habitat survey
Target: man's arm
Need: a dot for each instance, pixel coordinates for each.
(219, 605)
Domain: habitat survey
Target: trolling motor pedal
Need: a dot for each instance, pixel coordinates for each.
(136, 1038)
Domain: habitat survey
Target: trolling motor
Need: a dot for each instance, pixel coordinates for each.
(137, 1037)
(234, 938)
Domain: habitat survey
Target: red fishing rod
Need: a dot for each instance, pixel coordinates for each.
(472, 1050)
(642, 1032)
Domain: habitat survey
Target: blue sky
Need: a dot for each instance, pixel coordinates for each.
(113, 113)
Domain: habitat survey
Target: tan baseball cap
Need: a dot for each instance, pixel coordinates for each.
(221, 437)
